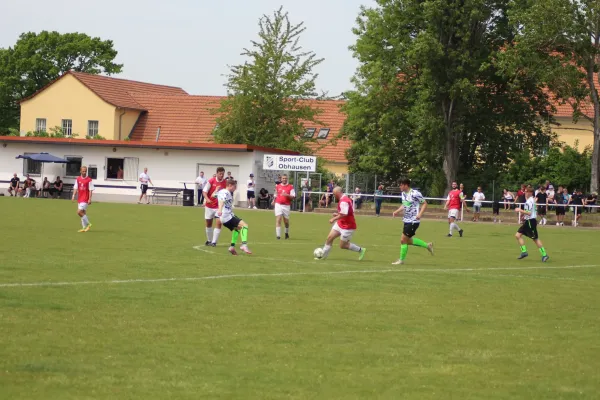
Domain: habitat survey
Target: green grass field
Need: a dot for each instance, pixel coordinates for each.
(131, 310)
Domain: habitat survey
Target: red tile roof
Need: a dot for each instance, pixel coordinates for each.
(115, 91)
(189, 118)
(144, 144)
(180, 118)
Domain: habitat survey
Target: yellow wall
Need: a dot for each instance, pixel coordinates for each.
(570, 132)
(69, 99)
(337, 168)
(128, 120)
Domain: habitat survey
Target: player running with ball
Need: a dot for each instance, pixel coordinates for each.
(229, 220)
(344, 226)
(414, 205)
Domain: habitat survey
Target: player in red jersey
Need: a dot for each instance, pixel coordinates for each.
(83, 189)
(453, 203)
(344, 226)
(211, 205)
(284, 194)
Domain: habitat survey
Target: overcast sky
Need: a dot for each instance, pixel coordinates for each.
(189, 43)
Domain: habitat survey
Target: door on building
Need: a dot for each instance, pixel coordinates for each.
(211, 169)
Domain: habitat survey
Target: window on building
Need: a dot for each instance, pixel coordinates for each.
(93, 172)
(309, 133)
(33, 168)
(93, 128)
(73, 167)
(122, 168)
(67, 127)
(323, 133)
(40, 125)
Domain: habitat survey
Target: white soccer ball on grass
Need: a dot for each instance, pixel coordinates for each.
(318, 253)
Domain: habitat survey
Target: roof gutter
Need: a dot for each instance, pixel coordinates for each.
(120, 119)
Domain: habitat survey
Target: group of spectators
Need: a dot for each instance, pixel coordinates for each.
(28, 187)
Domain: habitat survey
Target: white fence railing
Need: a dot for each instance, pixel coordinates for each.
(576, 209)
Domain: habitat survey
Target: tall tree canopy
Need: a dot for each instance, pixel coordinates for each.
(430, 97)
(266, 103)
(558, 41)
(38, 58)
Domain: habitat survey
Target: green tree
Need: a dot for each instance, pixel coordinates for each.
(563, 165)
(266, 103)
(38, 58)
(559, 42)
(430, 96)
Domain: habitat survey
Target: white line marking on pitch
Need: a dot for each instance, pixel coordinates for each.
(285, 274)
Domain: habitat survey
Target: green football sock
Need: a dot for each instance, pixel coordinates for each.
(234, 237)
(244, 234)
(543, 252)
(403, 251)
(523, 249)
(419, 243)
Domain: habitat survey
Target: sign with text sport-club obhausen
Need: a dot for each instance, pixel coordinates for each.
(278, 162)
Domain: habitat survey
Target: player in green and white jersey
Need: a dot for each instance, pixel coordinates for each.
(413, 205)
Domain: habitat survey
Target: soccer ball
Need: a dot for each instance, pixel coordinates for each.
(318, 253)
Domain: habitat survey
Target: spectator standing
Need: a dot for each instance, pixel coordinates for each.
(508, 199)
(13, 187)
(478, 197)
(541, 199)
(228, 177)
(144, 180)
(520, 200)
(329, 196)
(592, 199)
(250, 192)
(200, 181)
(306, 196)
(120, 173)
(578, 200)
(57, 187)
(378, 200)
(560, 203)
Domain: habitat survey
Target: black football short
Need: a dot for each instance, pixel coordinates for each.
(560, 210)
(541, 210)
(144, 189)
(529, 228)
(233, 223)
(410, 229)
(250, 194)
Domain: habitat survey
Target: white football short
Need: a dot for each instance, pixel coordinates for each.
(282, 209)
(453, 213)
(210, 213)
(82, 206)
(345, 234)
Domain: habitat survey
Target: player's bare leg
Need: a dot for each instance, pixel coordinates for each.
(278, 226)
(333, 234)
(346, 245)
(209, 232)
(286, 221)
(454, 226)
(85, 223)
(216, 233)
